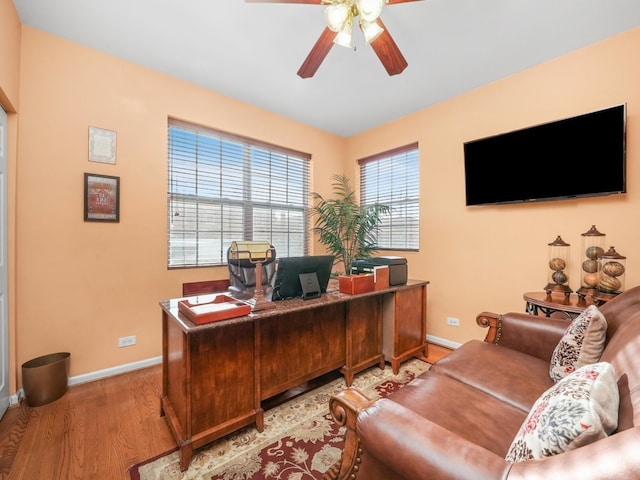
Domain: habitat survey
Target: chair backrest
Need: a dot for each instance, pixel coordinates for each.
(242, 273)
(204, 287)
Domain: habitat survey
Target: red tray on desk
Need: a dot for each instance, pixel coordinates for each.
(222, 307)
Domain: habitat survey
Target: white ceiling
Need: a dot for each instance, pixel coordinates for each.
(252, 51)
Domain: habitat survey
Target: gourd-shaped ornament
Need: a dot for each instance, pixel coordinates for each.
(593, 243)
(558, 278)
(611, 277)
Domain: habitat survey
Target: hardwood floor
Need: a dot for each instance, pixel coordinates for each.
(436, 352)
(96, 431)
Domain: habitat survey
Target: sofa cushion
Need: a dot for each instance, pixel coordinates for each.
(623, 351)
(462, 410)
(579, 409)
(582, 344)
(510, 376)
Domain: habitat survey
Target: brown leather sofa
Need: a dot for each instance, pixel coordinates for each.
(458, 419)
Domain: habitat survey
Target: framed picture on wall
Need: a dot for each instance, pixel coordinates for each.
(102, 145)
(101, 198)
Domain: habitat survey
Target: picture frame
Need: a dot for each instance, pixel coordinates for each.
(102, 145)
(101, 198)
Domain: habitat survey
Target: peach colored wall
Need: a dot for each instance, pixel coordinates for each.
(484, 258)
(10, 30)
(81, 285)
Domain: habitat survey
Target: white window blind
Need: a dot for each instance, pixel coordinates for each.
(223, 187)
(393, 178)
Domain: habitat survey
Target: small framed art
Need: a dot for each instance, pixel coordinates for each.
(101, 198)
(102, 145)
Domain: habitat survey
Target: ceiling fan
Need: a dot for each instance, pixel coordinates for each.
(339, 16)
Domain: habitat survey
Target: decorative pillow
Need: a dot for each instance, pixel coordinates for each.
(581, 345)
(579, 409)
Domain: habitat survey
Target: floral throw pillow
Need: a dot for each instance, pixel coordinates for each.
(582, 344)
(578, 410)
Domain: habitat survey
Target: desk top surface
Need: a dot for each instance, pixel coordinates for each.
(333, 296)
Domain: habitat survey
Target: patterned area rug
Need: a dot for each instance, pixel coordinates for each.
(300, 440)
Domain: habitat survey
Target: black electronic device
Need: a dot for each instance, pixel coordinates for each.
(310, 286)
(291, 270)
(398, 269)
(579, 156)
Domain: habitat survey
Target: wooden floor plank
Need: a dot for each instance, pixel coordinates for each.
(436, 352)
(12, 429)
(96, 430)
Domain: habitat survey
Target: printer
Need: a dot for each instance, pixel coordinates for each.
(398, 270)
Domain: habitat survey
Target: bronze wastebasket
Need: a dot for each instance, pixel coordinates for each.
(44, 379)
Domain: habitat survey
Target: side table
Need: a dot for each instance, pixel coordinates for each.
(569, 306)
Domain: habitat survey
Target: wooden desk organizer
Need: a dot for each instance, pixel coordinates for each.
(221, 307)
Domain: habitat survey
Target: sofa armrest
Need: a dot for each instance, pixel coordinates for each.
(530, 334)
(615, 457)
(345, 406)
(405, 443)
(414, 447)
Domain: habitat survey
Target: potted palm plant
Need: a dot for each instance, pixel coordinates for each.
(343, 226)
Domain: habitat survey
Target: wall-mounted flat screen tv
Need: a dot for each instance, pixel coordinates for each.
(580, 156)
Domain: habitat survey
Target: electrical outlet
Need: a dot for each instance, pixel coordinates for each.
(454, 322)
(127, 341)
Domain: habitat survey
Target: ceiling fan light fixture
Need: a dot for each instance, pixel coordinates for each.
(336, 16)
(369, 9)
(339, 17)
(343, 38)
(371, 30)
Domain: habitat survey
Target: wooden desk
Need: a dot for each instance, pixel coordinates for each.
(567, 306)
(215, 376)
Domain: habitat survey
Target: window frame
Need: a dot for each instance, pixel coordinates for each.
(408, 201)
(196, 183)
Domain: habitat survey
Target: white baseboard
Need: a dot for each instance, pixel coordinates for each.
(443, 342)
(110, 372)
(98, 374)
(130, 367)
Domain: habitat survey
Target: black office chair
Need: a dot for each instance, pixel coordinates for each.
(242, 273)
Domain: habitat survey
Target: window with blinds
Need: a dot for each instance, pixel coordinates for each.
(392, 178)
(224, 187)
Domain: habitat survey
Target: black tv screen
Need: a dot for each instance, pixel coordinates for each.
(287, 282)
(575, 157)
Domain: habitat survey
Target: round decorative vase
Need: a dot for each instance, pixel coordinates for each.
(558, 278)
(593, 243)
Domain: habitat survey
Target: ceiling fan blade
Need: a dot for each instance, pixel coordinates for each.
(388, 52)
(310, 2)
(317, 54)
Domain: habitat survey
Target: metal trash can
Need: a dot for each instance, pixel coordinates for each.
(44, 379)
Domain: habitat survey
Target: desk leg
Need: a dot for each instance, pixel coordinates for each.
(186, 450)
(260, 420)
(395, 365)
(348, 376)
(419, 352)
(165, 359)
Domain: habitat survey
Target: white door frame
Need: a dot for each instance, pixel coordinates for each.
(4, 276)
